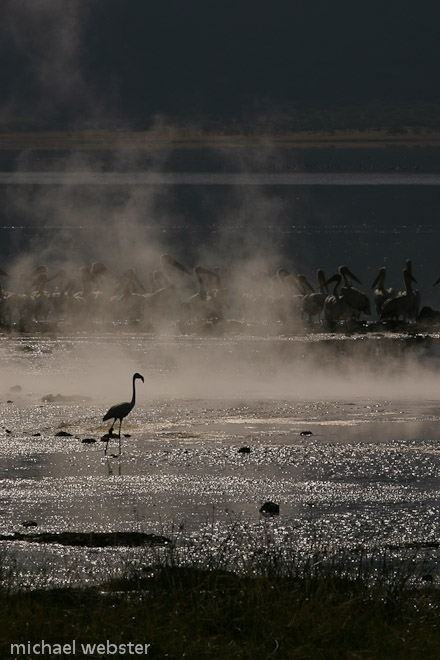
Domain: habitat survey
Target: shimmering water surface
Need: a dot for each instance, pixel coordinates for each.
(368, 473)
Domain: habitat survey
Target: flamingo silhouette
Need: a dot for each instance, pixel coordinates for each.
(119, 411)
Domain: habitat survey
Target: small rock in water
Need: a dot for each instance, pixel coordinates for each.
(88, 441)
(61, 398)
(270, 509)
(244, 450)
(36, 435)
(29, 523)
(63, 434)
(306, 433)
(127, 435)
(107, 436)
(8, 431)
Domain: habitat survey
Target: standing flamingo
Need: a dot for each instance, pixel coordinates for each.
(119, 411)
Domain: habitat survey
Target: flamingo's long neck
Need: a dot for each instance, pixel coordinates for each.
(133, 398)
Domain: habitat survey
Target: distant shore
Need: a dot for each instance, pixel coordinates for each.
(157, 139)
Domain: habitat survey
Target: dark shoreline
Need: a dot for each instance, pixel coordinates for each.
(317, 612)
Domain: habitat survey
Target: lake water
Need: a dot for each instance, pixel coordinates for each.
(310, 209)
(345, 438)
(369, 472)
(92, 178)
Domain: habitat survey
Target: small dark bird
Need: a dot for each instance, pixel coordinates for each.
(121, 410)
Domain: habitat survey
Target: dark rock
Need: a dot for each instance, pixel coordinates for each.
(63, 434)
(244, 450)
(88, 441)
(108, 436)
(36, 435)
(428, 314)
(427, 578)
(60, 398)
(29, 523)
(270, 509)
(91, 539)
(306, 433)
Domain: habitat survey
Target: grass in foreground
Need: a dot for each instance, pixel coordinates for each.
(188, 612)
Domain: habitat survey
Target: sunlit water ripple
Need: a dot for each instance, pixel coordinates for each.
(368, 474)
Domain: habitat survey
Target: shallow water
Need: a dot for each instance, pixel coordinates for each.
(368, 473)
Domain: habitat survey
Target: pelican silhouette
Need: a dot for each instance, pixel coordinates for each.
(358, 300)
(415, 303)
(403, 304)
(119, 411)
(336, 306)
(313, 303)
(381, 294)
(161, 303)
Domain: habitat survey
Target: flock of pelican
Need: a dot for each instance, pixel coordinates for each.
(100, 295)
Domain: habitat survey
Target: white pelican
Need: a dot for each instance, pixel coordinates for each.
(196, 308)
(380, 293)
(303, 285)
(67, 304)
(41, 299)
(402, 304)
(336, 306)
(129, 282)
(95, 299)
(162, 303)
(288, 304)
(357, 299)
(313, 303)
(23, 299)
(257, 297)
(156, 280)
(127, 304)
(218, 297)
(413, 311)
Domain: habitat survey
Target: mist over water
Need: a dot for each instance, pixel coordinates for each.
(244, 229)
(144, 210)
(369, 398)
(341, 424)
(324, 367)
